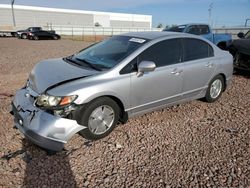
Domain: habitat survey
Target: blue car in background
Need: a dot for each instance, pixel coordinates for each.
(221, 39)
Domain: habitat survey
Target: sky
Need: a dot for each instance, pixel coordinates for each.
(168, 12)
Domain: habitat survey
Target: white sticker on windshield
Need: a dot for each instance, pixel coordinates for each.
(137, 40)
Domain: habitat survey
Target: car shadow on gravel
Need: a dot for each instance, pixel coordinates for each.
(48, 170)
(243, 73)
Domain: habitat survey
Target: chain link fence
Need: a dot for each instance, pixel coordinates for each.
(98, 33)
(92, 33)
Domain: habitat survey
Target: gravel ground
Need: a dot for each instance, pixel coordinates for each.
(193, 144)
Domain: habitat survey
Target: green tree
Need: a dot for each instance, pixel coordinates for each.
(160, 25)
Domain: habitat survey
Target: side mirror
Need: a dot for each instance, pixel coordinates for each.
(241, 35)
(145, 66)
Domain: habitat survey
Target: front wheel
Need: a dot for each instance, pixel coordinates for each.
(237, 59)
(24, 36)
(36, 38)
(100, 117)
(215, 89)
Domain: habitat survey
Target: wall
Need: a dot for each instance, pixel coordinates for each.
(27, 16)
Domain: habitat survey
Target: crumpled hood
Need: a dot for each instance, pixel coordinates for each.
(49, 73)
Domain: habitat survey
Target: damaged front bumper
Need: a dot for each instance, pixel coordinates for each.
(42, 128)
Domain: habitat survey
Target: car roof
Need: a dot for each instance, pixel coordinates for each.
(151, 35)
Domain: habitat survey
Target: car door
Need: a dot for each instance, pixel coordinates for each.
(164, 84)
(48, 35)
(198, 66)
(42, 34)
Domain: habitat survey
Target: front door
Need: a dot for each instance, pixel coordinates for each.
(164, 84)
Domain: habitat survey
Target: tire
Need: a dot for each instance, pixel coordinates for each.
(93, 116)
(215, 89)
(55, 37)
(237, 59)
(24, 36)
(36, 38)
(222, 46)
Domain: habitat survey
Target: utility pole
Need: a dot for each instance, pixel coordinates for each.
(13, 15)
(210, 12)
(248, 19)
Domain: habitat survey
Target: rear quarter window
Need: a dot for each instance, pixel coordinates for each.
(196, 49)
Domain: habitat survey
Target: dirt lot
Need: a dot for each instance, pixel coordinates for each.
(194, 144)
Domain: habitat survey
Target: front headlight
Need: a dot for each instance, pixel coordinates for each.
(54, 101)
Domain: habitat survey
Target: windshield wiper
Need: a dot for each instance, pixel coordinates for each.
(89, 64)
(69, 59)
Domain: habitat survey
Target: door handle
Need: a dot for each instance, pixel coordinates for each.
(176, 72)
(209, 65)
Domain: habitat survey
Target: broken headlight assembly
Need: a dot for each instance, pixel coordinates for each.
(60, 106)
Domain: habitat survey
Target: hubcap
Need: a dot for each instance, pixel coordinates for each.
(215, 89)
(101, 119)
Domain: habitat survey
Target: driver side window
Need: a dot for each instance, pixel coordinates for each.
(163, 53)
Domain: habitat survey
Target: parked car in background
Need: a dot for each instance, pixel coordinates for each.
(40, 35)
(221, 39)
(123, 76)
(240, 49)
(23, 34)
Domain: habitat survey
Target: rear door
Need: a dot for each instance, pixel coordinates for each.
(198, 66)
(162, 86)
(42, 34)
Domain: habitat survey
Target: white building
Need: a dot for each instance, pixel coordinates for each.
(27, 16)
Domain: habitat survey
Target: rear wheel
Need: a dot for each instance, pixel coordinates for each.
(215, 89)
(36, 38)
(100, 117)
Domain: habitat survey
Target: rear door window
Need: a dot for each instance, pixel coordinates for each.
(196, 49)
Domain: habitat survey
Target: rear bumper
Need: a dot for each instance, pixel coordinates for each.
(44, 129)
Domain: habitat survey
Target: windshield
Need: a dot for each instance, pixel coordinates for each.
(108, 53)
(179, 28)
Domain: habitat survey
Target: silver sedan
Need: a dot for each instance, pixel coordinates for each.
(108, 82)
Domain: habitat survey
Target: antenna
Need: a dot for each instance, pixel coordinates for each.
(210, 7)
